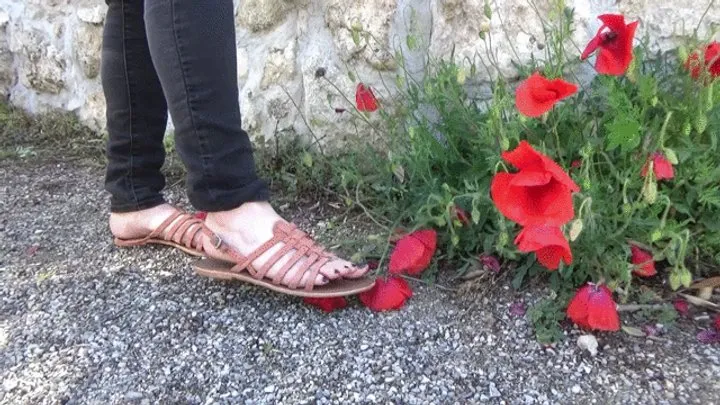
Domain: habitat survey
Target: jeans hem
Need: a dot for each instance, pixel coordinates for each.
(136, 206)
(256, 191)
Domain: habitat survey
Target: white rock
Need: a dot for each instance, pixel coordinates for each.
(589, 343)
(279, 66)
(259, 15)
(92, 15)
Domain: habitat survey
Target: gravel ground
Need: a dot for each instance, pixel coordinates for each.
(82, 322)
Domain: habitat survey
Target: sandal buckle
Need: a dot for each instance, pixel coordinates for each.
(218, 242)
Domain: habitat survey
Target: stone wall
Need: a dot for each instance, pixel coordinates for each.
(294, 55)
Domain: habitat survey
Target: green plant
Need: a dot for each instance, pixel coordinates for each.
(643, 148)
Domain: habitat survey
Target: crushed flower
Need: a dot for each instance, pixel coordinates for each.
(386, 295)
(413, 252)
(593, 307)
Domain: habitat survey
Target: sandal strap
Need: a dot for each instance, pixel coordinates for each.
(161, 228)
(293, 238)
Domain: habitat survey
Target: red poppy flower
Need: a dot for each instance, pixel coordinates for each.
(548, 243)
(365, 98)
(537, 95)
(576, 164)
(643, 261)
(717, 322)
(457, 213)
(327, 304)
(615, 41)
(413, 252)
(593, 307)
(538, 194)
(387, 294)
(201, 215)
(662, 168)
(712, 61)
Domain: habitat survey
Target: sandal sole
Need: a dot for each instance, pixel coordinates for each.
(128, 244)
(220, 270)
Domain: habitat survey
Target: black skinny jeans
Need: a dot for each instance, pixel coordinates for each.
(176, 55)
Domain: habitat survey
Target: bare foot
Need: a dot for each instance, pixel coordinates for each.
(248, 227)
(138, 224)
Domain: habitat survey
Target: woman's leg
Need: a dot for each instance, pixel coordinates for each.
(193, 47)
(136, 111)
(136, 122)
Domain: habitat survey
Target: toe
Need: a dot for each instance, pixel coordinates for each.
(358, 271)
(334, 269)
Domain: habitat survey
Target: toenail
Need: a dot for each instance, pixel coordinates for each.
(338, 271)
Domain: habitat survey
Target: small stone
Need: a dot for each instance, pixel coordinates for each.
(589, 343)
(493, 391)
(576, 389)
(269, 389)
(133, 395)
(10, 384)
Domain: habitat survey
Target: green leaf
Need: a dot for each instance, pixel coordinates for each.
(411, 41)
(355, 36)
(671, 156)
(623, 132)
(521, 272)
(307, 159)
(647, 88)
(674, 280)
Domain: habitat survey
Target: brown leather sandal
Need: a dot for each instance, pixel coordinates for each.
(295, 240)
(181, 235)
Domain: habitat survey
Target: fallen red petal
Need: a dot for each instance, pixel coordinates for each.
(327, 304)
(602, 310)
(386, 295)
(413, 252)
(681, 306)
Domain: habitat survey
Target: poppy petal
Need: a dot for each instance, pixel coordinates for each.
(616, 22)
(548, 243)
(530, 178)
(643, 261)
(524, 157)
(413, 252)
(327, 304)
(602, 310)
(386, 295)
(537, 95)
(577, 309)
(662, 167)
(365, 98)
